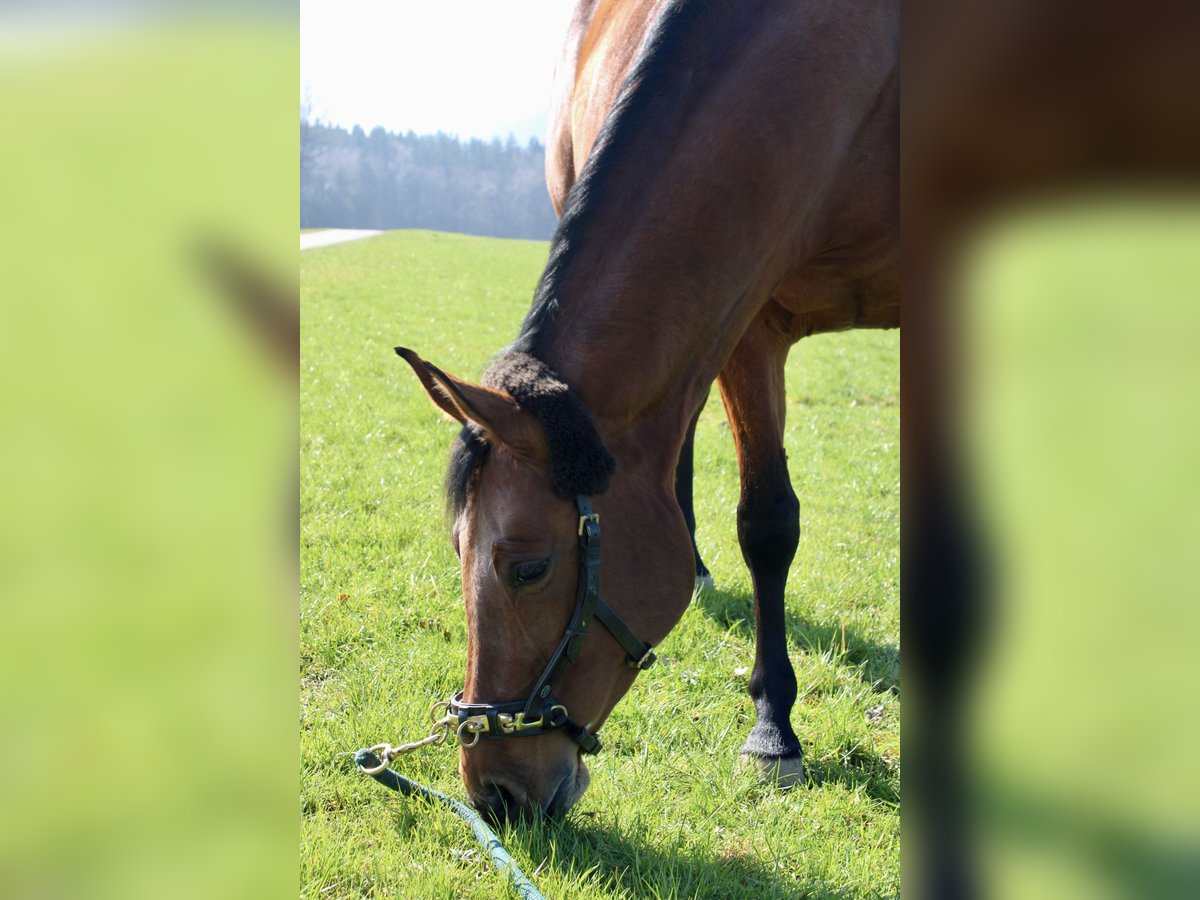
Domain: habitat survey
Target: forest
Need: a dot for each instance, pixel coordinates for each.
(352, 179)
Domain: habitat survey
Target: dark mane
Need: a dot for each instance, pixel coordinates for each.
(683, 45)
(579, 461)
(467, 454)
(679, 53)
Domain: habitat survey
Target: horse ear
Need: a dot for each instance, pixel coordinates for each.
(440, 395)
(495, 411)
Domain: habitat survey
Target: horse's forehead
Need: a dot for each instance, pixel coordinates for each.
(508, 492)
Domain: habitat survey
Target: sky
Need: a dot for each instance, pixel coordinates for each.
(466, 67)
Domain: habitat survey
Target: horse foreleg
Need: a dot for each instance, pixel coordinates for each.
(768, 518)
(684, 475)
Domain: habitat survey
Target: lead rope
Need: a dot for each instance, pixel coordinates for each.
(371, 764)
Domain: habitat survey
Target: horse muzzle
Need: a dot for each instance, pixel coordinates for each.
(505, 797)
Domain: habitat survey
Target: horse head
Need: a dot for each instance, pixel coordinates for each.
(549, 653)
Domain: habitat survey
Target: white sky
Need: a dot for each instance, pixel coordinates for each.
(467, 67)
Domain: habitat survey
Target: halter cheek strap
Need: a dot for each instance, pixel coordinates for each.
(541, 713)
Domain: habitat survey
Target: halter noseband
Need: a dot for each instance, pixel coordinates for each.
(541, 712)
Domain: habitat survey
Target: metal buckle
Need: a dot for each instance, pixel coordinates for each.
(509, 723)
(645, 662)
(474, 725)
(593, 517)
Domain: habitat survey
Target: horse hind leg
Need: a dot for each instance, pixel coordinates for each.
(768, 517)
(684, 475)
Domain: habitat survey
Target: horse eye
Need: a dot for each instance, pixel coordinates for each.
(524, 573)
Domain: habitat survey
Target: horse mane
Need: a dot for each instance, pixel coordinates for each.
(682, 40)
(467, 454)
(579, 461)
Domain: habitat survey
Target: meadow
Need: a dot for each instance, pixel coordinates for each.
(382, 632)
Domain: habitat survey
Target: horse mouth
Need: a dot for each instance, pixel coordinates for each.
(570, 789)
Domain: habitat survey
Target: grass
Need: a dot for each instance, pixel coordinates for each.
(382, 631)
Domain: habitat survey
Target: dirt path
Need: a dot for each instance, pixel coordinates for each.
(334, 236)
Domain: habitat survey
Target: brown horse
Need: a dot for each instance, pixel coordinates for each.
(726, 174)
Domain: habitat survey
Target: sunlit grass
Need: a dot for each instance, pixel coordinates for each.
(382, 632)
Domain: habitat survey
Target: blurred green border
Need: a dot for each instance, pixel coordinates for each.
(147, 452)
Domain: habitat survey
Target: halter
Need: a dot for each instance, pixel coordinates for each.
(541, 712)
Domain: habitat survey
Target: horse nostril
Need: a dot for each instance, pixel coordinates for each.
(504, 798)
(498, 803)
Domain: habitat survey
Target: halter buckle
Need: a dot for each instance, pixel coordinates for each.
(508, 723)
(645, 662)
(513, 723)
(590, 517)
(474, 726)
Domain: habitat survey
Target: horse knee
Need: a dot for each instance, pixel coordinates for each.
(769, 529)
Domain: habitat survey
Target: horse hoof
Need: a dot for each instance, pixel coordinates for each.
(784, 772)
(704, 583)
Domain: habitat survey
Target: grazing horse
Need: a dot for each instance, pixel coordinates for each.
(726, 176)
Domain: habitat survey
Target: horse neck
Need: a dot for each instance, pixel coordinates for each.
(650, 306)
(664, 257)
(641, 330)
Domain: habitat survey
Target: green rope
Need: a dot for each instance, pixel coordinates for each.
(486, 837)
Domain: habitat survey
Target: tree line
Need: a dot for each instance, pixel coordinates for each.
(351, 179)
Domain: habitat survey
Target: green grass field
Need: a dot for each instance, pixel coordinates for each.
(668, 814)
